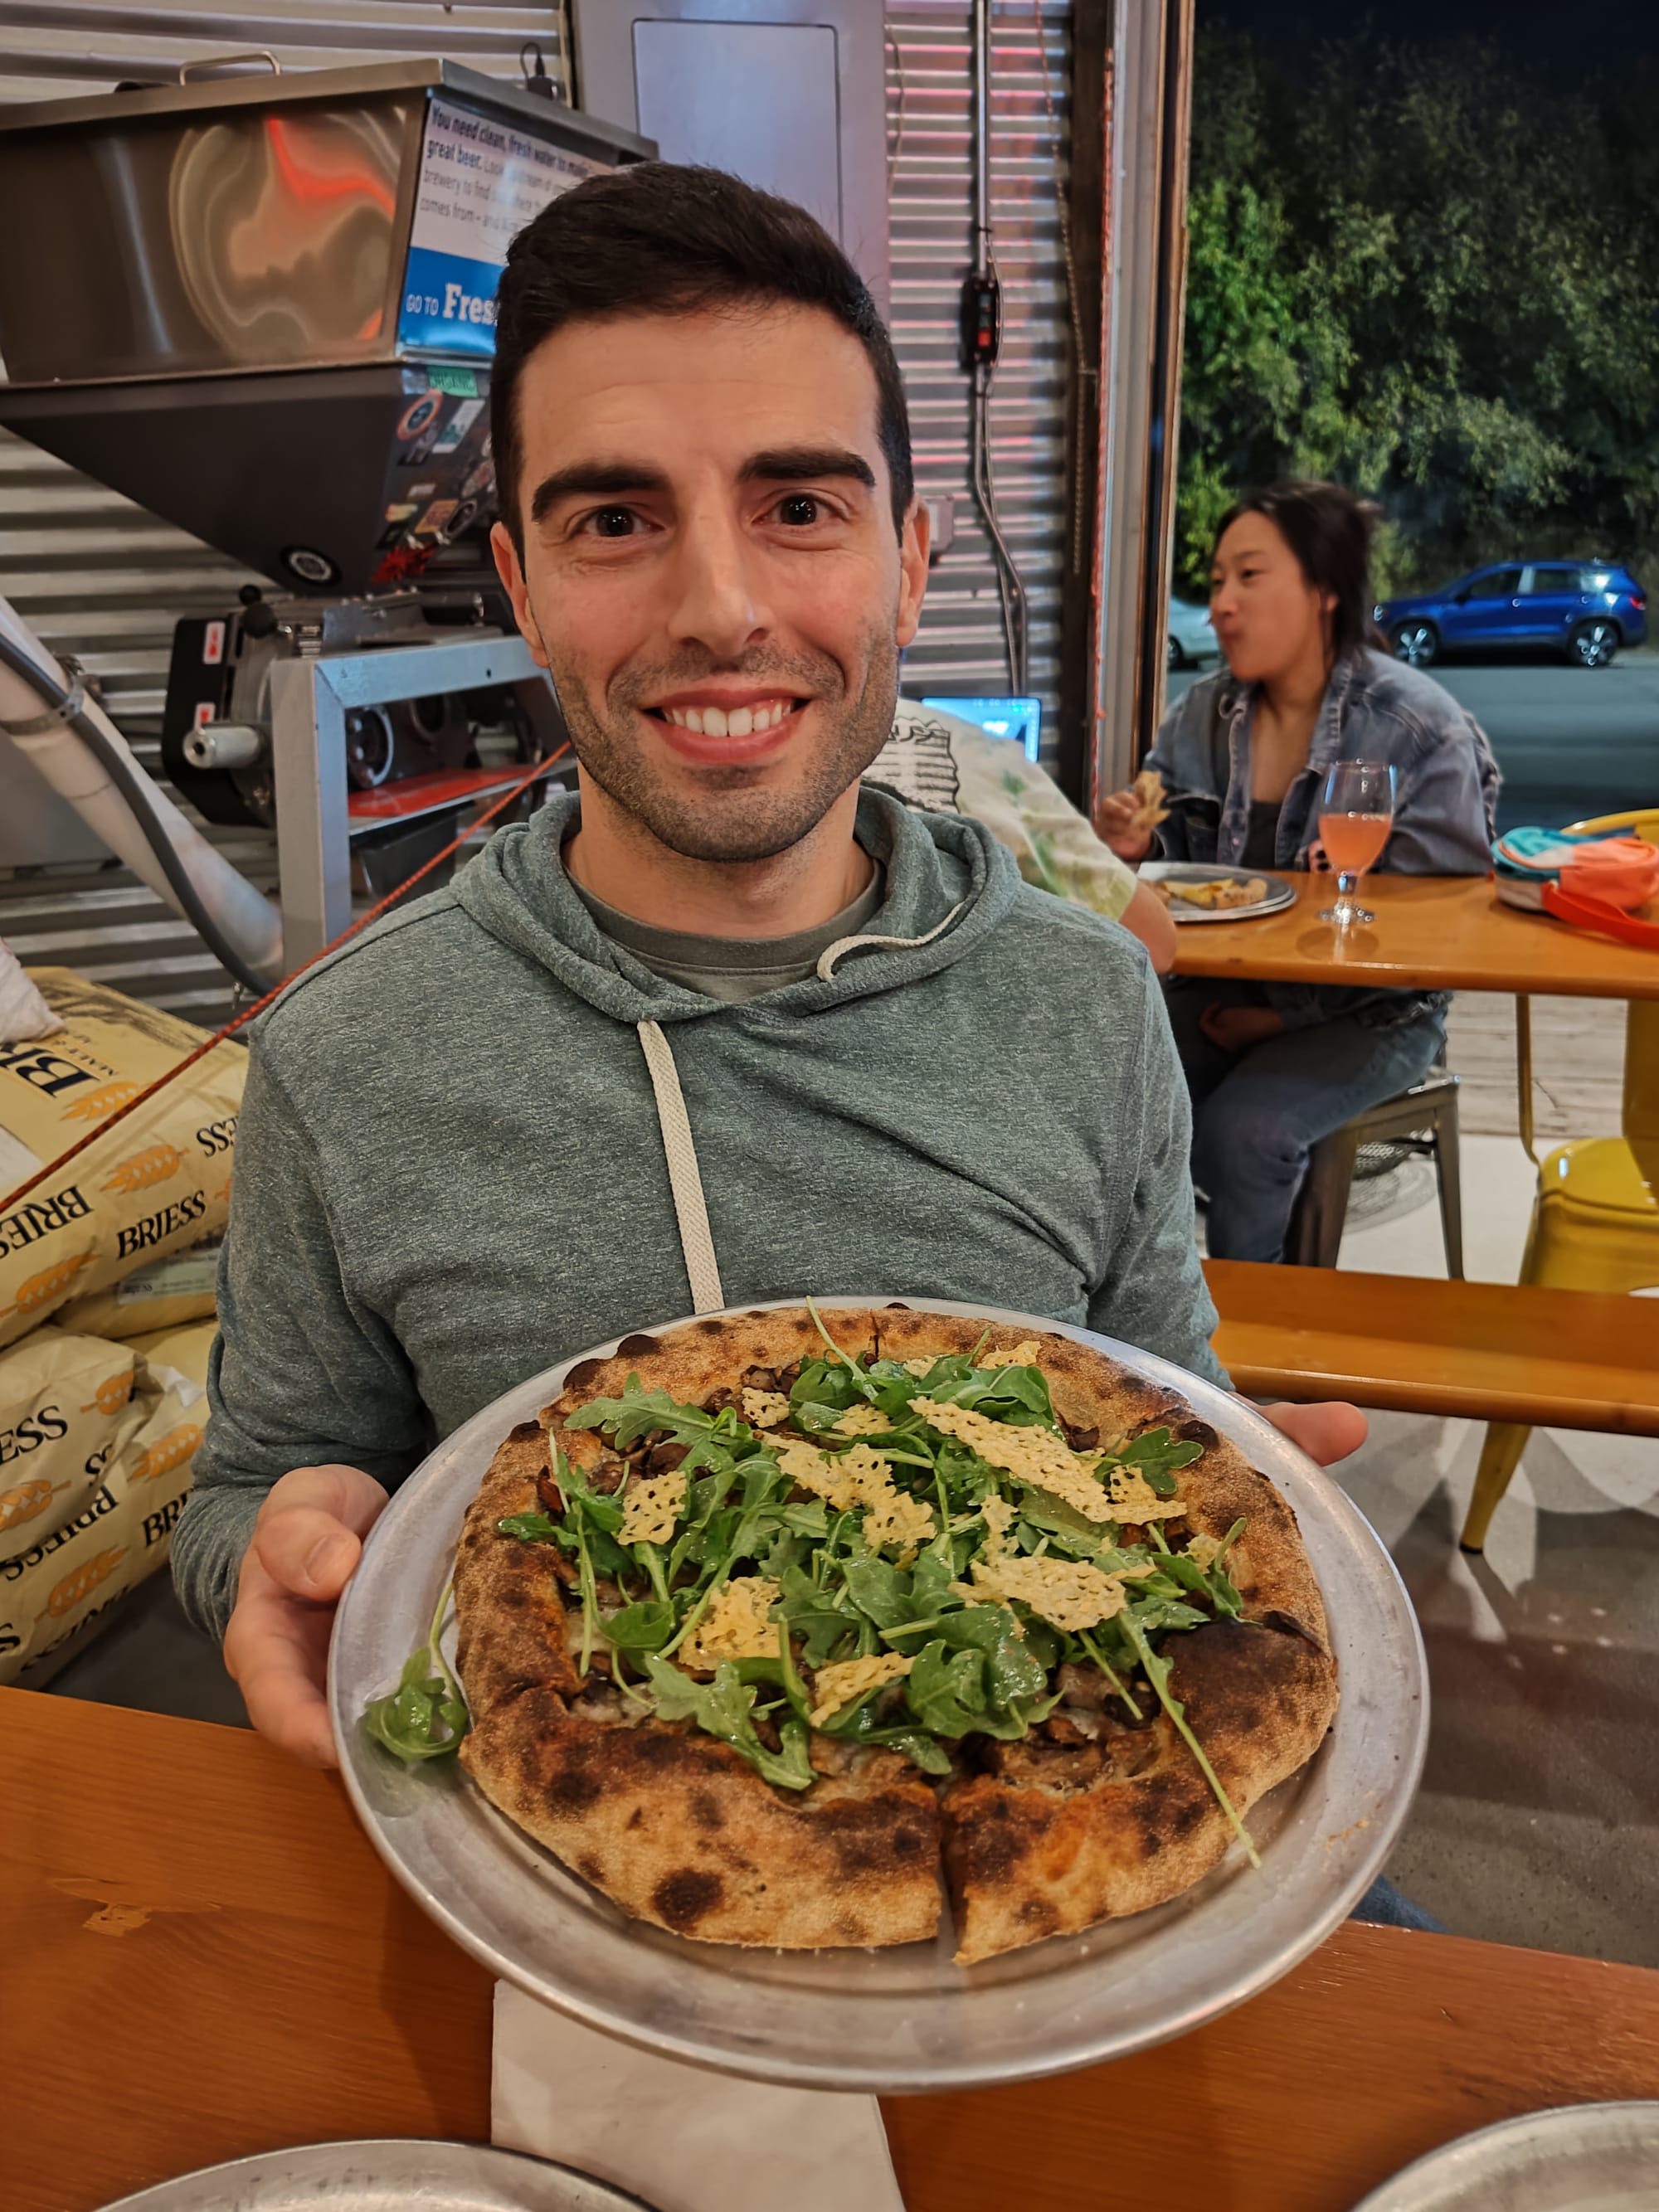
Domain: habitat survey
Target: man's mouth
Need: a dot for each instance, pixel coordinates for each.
(706, 730)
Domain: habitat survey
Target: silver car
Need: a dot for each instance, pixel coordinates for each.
(1192, 636)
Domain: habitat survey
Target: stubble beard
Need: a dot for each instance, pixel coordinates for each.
(725, 813)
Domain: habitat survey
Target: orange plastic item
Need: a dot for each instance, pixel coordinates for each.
(1622, 870)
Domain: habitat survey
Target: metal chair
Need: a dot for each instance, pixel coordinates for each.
(1421, 1121)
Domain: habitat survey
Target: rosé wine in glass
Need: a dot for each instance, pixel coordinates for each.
(1356, 813)
(1353, 841)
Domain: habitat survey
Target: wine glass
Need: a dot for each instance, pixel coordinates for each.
(1356, 813)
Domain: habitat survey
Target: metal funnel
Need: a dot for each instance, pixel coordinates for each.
(263, 307)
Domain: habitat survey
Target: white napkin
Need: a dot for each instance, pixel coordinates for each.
(682, 2138)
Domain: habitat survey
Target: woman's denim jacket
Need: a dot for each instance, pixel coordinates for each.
(1376, 709)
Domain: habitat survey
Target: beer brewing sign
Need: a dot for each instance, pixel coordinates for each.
(481, 181)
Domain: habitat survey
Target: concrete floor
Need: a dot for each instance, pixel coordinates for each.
(1538, 1821)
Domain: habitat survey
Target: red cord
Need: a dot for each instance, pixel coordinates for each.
(537, 768)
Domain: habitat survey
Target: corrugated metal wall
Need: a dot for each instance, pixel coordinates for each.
(98, 577)
(930, 122)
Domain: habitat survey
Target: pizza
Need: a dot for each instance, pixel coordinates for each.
(1216, 894)
(1147, 791)
(775, 1619)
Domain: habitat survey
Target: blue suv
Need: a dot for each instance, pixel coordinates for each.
(1585, 608)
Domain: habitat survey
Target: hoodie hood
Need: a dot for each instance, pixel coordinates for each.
(948, 882)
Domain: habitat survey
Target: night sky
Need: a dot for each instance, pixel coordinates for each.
(1566, 42)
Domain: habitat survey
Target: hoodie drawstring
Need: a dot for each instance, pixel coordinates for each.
(826, 967)
(684, 1176)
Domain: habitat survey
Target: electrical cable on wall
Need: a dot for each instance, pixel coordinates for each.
(981, 343)
(1086, 374)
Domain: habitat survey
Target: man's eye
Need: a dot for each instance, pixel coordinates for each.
(799, 510)
(611, 522)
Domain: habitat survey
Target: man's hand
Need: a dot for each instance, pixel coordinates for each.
(1236, 1028)
(306, 1543)
(1326, 1432)
(1115, 821)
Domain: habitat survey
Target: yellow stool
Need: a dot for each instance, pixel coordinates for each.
(1595, 1219)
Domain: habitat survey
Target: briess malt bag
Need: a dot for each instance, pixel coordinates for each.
(156, 1183)
(63, 1400)
(162, 1294)
(124, 1532)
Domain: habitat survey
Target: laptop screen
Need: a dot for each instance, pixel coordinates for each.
(1018, 719)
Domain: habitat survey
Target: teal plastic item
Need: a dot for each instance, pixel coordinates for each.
(1538, 855)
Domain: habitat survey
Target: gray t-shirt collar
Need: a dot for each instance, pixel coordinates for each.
(733, 969)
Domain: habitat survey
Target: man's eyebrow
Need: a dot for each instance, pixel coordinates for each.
(595, 480)
(799, 464)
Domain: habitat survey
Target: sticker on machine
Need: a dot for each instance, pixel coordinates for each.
(480, 182)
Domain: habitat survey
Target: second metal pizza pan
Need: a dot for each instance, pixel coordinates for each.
(905, 2019)
(390, 2174)
(1575, 2158)
(1279, 893)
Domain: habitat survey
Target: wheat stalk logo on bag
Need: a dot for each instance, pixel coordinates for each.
(104, 1102)
(26, 1501)
(76, 1587)
(168, 1452)
(42, 1291)
(146, 1168)
(111, 1394)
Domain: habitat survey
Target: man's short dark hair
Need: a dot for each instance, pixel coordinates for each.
(658, 238)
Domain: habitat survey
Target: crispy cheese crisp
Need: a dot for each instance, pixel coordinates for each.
(1070, 1593)
(651, 1507)
(838, 1685)
(765, 1409)
(736, 1625)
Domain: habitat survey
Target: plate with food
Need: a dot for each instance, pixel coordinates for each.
(878, 1696)
(1194, 892)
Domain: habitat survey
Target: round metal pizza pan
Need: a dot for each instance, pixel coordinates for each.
(1577, 2158)
(909, 2018)
(1279, 893)
(395, 2174)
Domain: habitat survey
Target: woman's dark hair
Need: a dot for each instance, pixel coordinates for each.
(1329, 529)
(657, 238)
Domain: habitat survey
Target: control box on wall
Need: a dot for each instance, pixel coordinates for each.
(789, 95)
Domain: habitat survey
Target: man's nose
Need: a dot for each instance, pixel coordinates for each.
(1224, 600)
(717, 598)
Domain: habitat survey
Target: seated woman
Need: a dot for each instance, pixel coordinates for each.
(1272, 1067)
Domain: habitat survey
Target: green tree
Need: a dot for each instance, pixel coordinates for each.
(1430, 278)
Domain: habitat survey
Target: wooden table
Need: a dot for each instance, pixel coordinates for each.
(1431, 933)
(204, 1958)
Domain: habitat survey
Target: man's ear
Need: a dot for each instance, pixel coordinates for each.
(915, 540)
(510, 569)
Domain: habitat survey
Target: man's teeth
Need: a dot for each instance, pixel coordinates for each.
(740, 722)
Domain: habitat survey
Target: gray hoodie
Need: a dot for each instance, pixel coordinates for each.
(482, 1138)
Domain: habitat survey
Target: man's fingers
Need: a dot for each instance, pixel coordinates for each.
(307, 1552)
(276, 1651)
(1326, 1432)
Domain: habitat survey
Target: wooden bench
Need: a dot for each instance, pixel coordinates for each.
(1480, 1352)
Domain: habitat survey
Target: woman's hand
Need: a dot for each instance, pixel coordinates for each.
(1115, 821)
(1236, 1028)
(306, 1543)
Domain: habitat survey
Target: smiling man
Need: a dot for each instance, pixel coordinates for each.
(722, 1027)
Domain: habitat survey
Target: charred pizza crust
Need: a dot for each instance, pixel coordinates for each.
(675, 1827)
(1049, 1839)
